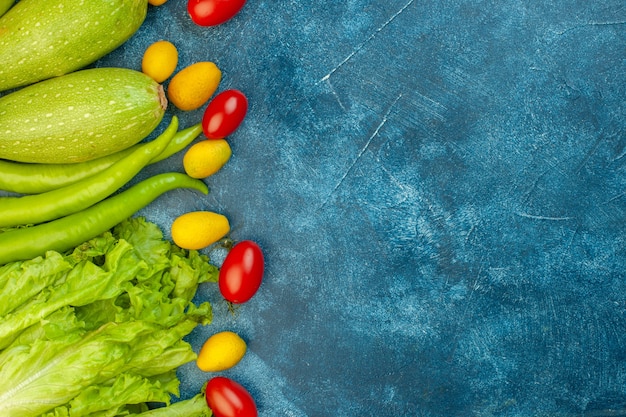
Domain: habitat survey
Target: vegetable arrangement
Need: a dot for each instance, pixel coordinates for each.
(94, 303)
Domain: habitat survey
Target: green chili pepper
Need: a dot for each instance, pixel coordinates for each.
(27, 178)
(70, 231)
(179, 142)
(39, 208)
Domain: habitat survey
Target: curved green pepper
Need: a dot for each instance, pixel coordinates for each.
(39, 208)
(23, 178)
(70, 231)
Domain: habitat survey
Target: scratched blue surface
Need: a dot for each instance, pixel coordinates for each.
(440, 191)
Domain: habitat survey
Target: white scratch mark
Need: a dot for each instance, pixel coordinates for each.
(432, 107)
(617, 197)
(470, 232)
(363, 149)
(334, 92)
(620, 156)
(590, 154)
(362, 45)
(591, 24)
(538, 217)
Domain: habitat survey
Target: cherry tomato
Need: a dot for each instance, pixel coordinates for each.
(213, 12)
(224, 114)
(227, 398)
(241, 272)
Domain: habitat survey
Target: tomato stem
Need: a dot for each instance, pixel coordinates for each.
(232, 308)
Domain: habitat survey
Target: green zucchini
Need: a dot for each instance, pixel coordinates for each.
(40, 39)
(5, 5)
(79, 116)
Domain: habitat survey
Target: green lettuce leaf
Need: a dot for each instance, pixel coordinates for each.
(20, 281)
(99, 331)
(57, 325)
(83, 284)
(126, 388)
(193, 407)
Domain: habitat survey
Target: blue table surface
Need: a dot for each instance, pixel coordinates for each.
(439, 188)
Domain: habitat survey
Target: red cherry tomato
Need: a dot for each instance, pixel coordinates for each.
(241, 272)
(213, 12)
(224, 114)
(227, 398)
